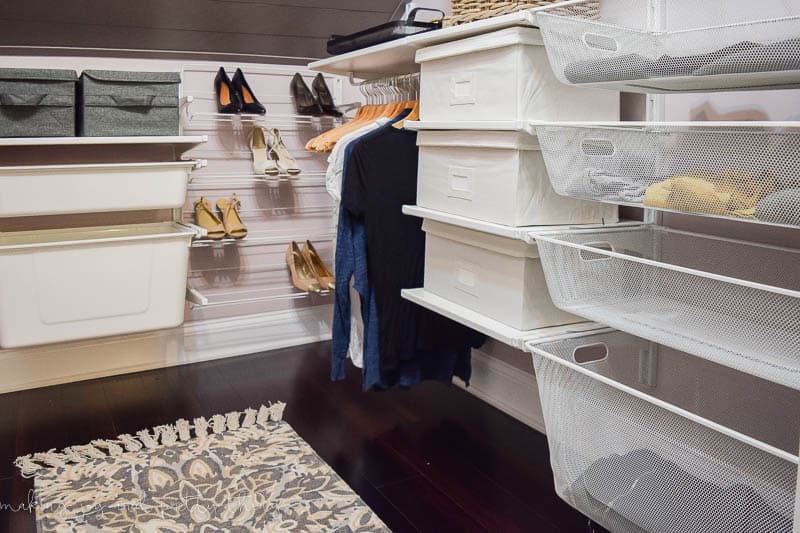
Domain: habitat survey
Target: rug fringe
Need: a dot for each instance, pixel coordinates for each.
(30, 465)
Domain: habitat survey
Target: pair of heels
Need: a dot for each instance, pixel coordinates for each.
(228, 222)
(315, 104)
(309, 273)
(270, 155)
(235, 96)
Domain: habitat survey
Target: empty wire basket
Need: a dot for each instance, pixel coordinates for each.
(684, 45)
(644, 438)
(732, 302)
(747, 171)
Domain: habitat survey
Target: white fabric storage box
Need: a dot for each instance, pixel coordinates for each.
(646, 438)
(58, 189)
(498, 277)
(496, 176)
(503, 75)
(69, 284)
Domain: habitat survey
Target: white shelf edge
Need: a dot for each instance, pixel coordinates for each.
(506, 334)
(522, 233)
(89, 141)
(373, 62)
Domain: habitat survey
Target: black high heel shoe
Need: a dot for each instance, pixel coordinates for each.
(227, 98)
(324, 98)
(250, 103)
(304, 102)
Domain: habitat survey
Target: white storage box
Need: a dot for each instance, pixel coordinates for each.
(645, 438)
(504, 75)
(496, 176)
(69, 284)
(498, 277)
(59, 189)
(733, 302)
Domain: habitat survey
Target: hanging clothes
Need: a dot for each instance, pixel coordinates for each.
(380, 176)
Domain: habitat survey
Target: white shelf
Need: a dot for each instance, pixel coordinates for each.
(522, 233)
(513, 337)
(177, 140)
(397, 57)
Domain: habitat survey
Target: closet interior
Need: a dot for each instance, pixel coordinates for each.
(583, 213)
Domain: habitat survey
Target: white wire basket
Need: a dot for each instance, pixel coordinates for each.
(732, 302)
(747, 171)
(639, 438)
(685, 46)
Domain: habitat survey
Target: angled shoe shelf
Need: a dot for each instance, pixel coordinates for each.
(221, 298)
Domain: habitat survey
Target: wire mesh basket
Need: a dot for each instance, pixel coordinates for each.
(732, 302)
(746, 171)
(640, 439)
(687, 46)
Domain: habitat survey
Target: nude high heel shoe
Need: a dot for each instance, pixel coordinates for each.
(324, 276)
(286, 163)
(208, 220)
(229, 209)
(262, 162)
(302, 274)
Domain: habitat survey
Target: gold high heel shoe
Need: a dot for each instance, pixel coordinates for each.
(302, 274)
(208, 220)
(324, 276)
(231, 220)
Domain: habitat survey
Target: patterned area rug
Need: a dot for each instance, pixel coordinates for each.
(242, 472)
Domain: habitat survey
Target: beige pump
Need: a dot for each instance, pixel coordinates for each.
(324, 276)
(262, 160)
(302, 274)
(208, 220)
(231, 220)
(286, 163)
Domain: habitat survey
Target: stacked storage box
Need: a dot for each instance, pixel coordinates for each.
(37, 102)
(480, 159)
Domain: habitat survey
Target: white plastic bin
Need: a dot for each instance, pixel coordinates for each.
(496, 176)
(90, 188)
(498, 277)
(503, 75)
(645, 438)
(69, 284)
(733, 302)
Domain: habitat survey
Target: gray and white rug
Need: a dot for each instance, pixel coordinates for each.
(242, 472)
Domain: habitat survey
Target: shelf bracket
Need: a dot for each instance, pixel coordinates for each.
(196, 297)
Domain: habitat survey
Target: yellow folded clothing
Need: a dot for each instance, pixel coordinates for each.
(729, 192)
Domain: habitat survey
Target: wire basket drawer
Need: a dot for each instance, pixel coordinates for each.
(699, 45)
(645, 438)
(732, 302)
(746, 171)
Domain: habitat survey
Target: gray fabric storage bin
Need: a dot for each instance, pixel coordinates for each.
(37, 102)
(118, 103)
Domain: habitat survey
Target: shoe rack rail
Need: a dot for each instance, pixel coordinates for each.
(234, 277)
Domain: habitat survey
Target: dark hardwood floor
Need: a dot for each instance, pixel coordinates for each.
(431, 459)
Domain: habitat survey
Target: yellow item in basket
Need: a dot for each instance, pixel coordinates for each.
(730, 192)
(686, 193)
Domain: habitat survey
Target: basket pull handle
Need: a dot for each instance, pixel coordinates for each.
(586, 255)
(590, 353)
(600, 42)
(598, 147)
